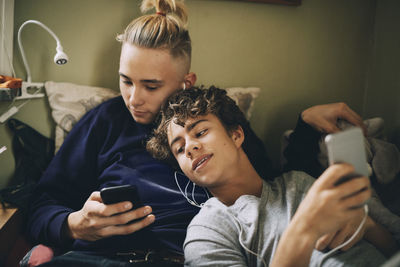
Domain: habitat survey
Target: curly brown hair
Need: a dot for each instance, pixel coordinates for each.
(200, 101)
(191, 103)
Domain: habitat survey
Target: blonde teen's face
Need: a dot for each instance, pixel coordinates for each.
(147, 78)
(206, 153)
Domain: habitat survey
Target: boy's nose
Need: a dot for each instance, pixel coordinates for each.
(192, 148)
(136, 98)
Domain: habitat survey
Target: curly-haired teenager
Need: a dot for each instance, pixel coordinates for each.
(251, 221)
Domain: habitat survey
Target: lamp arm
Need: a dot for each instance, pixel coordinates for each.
(28, 72)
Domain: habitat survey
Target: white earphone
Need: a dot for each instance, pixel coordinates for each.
(185, 193)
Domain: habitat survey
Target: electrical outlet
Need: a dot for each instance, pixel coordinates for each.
(8, 94)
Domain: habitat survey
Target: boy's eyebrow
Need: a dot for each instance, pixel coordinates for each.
(188, 129)
(192, 125)
(143, 81)
(152, 81)
(124, 76)
(176, 139)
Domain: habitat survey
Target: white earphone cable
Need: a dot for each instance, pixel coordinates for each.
(241, 241)
(185, 193)
(330, 253)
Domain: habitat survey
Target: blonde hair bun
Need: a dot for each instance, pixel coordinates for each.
(167, 7)
(165, 29)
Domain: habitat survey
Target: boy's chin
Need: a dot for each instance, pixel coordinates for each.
(143, 120)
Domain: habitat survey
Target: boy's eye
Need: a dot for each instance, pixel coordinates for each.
(151, 88)
(202, 132)
(179, 150)
(127, 82)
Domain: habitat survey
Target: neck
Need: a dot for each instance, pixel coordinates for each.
(241, 180)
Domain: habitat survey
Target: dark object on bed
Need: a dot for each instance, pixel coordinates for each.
(32, 153)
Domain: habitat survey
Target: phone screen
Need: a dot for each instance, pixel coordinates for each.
(115, 194)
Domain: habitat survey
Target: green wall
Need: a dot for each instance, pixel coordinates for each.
(299, 56)
(383, 83)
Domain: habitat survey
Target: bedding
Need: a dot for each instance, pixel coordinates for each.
(69, 102)
(384, 160)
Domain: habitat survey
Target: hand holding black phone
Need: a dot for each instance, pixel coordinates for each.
(115, 194)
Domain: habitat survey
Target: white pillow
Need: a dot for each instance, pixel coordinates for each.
(69, 102)
(244, 98)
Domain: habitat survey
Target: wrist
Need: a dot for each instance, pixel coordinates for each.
(302, 230)
(303, 234)
(306, 127)
(370, 225)
(305, 117)
(67, 228)
(297, 241)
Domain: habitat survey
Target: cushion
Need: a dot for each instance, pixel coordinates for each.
(69, 102)
(244, 98)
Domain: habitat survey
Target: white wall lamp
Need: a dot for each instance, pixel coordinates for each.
(60, 59)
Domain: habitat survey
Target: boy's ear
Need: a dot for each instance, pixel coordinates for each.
(190, 79)
(238, 136)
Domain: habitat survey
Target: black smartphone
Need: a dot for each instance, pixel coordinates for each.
(115, 194)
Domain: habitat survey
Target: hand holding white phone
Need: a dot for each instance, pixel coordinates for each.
(348, 147)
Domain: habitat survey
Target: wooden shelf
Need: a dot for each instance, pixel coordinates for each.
(11, 224)
(5, 215)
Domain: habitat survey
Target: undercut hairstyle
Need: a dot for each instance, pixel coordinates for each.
(194, 102)
(164, 29)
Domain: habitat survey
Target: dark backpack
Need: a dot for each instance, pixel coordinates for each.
(32, 153)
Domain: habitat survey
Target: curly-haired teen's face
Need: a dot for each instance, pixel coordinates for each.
(205, 151)
(148, 77)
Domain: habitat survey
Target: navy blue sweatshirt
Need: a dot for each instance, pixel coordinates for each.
(105, 148)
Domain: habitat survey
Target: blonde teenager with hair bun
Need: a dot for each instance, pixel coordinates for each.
(107, 148)
(163, 37)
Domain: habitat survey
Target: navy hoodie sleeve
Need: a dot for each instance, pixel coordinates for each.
(68, 181)
(303, 148)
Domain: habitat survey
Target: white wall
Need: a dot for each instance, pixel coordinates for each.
(6, 36)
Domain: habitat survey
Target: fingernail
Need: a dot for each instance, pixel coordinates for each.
(151, 218)
(147, 210)
(128, 206)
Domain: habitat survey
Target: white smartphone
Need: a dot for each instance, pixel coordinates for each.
(348, 147)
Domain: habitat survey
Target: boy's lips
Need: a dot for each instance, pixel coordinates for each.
(138, 113)
(201, 160)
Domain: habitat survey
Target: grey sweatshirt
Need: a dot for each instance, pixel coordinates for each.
(222, 236)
